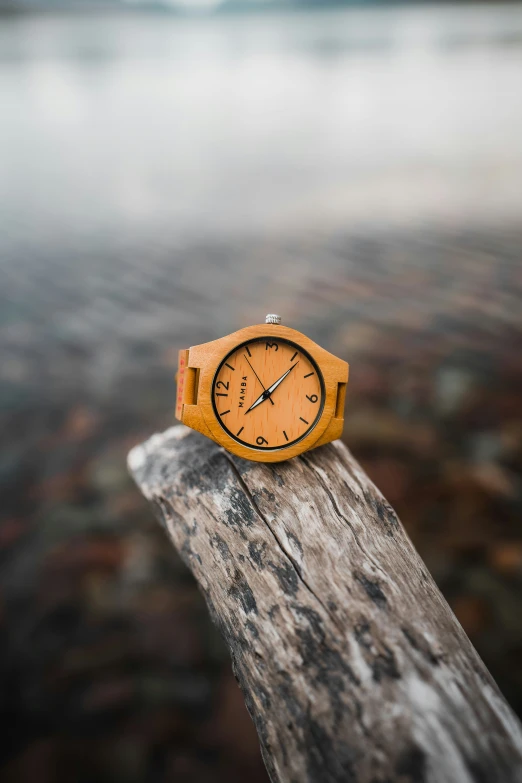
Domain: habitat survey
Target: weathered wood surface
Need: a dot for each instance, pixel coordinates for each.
(352, 665)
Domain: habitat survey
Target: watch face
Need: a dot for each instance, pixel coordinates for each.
(268, 393)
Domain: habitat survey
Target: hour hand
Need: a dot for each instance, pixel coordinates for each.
(267, 394)
(262, 397)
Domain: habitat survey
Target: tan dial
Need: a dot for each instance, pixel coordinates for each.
(268, 393)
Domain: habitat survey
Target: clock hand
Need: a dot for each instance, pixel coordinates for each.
(266, 394)
(270, 389)
(274, 386)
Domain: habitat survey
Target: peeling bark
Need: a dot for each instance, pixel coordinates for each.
(353, 667)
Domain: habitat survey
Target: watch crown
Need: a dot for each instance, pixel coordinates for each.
(271, 318)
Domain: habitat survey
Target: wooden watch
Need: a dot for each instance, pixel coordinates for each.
(266, 393)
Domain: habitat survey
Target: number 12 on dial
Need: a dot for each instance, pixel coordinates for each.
(268, 394)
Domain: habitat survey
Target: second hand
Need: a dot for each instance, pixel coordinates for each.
(258, 378)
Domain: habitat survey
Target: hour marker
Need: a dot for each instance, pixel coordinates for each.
(263, 383)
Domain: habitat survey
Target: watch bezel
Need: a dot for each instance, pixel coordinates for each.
(284, 446)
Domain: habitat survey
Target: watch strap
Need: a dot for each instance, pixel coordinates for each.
(180, 382)
(187, 383)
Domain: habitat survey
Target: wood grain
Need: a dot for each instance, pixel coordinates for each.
(289, 413)
(352, 665)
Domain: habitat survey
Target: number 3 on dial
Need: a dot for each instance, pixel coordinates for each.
(268, 393)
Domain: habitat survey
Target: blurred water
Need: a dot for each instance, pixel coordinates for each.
(256, 123)
(128, 140)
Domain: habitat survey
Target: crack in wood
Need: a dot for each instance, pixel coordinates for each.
(262, 517)
(339, 513)
(340, 689)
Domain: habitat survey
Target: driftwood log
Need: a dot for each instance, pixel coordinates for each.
(352, 665)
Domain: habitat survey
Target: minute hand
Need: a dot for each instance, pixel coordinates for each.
(270, 389)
